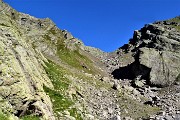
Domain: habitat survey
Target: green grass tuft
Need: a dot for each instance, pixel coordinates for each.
(3, 117)
(30, 117)
(74, 58)
(57, 76)
(61, 83)
(176, 20)
(60, 103)
(73, 112)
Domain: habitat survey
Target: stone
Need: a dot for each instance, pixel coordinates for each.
(163, 113)
(135, 92)
(128, 118)
(90, 117)
(105, 114)
(168, 118)
(68, 117)
(67, 34)
(139, 83)
(129, 88)
(178, 112)
(116, 86)
(177, 116)
(117, 117)
(105, 79)
(154, 89)
(1, 82)
(66, 113)
(110, 110)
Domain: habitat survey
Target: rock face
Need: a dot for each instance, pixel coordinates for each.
(46, 73)
(21, 72)
(153, 53)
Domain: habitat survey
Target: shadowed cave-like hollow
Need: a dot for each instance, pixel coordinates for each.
(131, 71)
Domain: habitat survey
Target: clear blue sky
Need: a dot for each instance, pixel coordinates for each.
(105, 24)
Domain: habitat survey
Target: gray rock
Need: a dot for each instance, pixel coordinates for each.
(177, 117)
(117, 117)
(139, 83)
(1, 82)
(116, 86)
(105, 79)
(67, 34)
(128, 118)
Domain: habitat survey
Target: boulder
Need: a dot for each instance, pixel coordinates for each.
(117, 117)
(67, 35)
(116, 86)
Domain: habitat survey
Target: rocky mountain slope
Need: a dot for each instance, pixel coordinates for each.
(152, 59)
(47, 74)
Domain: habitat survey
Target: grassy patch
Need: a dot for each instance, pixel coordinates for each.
(57, 76)
(60, 103)
(30, 117)
(73, 112)
(61, 83)
(74, 58)
(71, 57)
(3, 117)
(176, 20)
(136, 110)
(47, 37)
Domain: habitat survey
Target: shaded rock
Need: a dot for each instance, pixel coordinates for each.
(117, 117)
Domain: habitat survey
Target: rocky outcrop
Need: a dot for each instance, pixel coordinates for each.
(22, 74)
(153, 53)
(29, 47)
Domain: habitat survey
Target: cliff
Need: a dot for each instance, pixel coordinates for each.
(152, 53)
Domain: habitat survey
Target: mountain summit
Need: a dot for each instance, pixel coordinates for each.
(48, 74)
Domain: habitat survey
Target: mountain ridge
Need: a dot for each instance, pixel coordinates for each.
(46, 73)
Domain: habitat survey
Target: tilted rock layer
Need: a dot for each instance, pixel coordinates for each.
(21, 70)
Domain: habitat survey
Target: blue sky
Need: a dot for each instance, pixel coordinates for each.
(105, 24)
